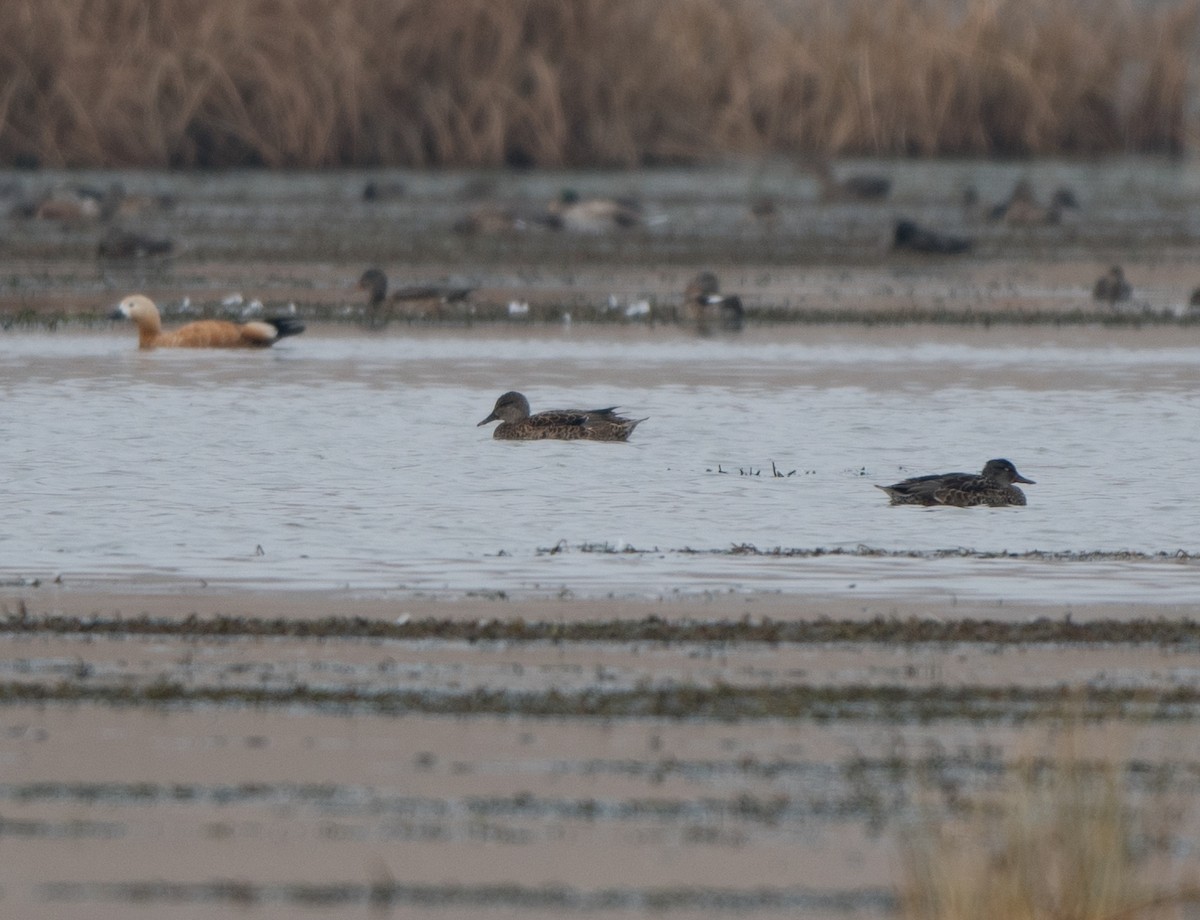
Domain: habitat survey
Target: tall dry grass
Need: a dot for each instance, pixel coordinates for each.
(303, 83)
(1062, 842)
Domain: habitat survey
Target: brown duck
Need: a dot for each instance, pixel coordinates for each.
(414, 302)
(516, 423)
(994, 487)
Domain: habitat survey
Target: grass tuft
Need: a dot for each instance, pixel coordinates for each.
(1059, 843)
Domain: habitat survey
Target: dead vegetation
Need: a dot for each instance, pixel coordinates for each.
(1060, 840)
(308, 83)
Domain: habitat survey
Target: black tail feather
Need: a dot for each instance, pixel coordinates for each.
(286, 325)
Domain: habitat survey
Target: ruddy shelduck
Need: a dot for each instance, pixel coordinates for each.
(205, 333)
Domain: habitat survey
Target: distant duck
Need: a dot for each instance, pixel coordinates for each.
(414, 301)
(205, 333)
(704, 302)
(591, 215)
(120, 244)
(1112, 287)
(863, 187)
(488, 220)
(377, 190)
(993, 487)
(78, 202)
(516, 423)
(915, 238)
(1023, 210)
(764, 211)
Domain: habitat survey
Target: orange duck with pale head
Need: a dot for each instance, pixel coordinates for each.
(205, 333)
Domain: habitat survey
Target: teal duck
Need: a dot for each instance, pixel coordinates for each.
(704, 302)
(994, 487)
(516, 424)
(414, 301)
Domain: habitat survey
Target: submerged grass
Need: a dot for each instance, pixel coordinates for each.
(307, 83)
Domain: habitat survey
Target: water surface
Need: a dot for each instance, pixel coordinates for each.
(339, 460)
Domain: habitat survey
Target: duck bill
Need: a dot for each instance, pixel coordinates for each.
(1020, 478)
(490, 418)
(116, 314)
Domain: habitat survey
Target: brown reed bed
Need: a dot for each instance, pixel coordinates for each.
(309, 83)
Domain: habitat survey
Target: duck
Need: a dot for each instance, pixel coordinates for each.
(517, 424)
(1112, 287)
(591, 215)
(915, 238)
(862, 187)
(764, 211)
(205, 333)
(414, 301)
(1023, 210)
(120, 244)
(488, 220)
(993, 487)
(704, 302)
(376, 190)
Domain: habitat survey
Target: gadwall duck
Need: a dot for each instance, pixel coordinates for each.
(1112, 287)
(414, 301)
(704, 302)
(994, 487)
(516, 424)
(205, 333)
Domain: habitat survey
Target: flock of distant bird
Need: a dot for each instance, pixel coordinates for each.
(704, 302)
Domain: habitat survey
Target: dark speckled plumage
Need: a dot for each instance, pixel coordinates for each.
(516, 423)
(994, 487)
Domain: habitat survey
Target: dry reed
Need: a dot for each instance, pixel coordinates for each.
(1061, 843)
(307, 83)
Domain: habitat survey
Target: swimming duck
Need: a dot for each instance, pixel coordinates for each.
(205, 333)
(516, 424)
(591, 215)
(704, 302)
(994, 487)
(911, 236)
(414, 301)
(1112, 287)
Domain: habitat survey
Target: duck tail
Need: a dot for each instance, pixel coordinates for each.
(286, 325)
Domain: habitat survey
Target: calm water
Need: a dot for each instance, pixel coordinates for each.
(340, 460)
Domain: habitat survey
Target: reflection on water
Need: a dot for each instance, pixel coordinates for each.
(344, 460)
